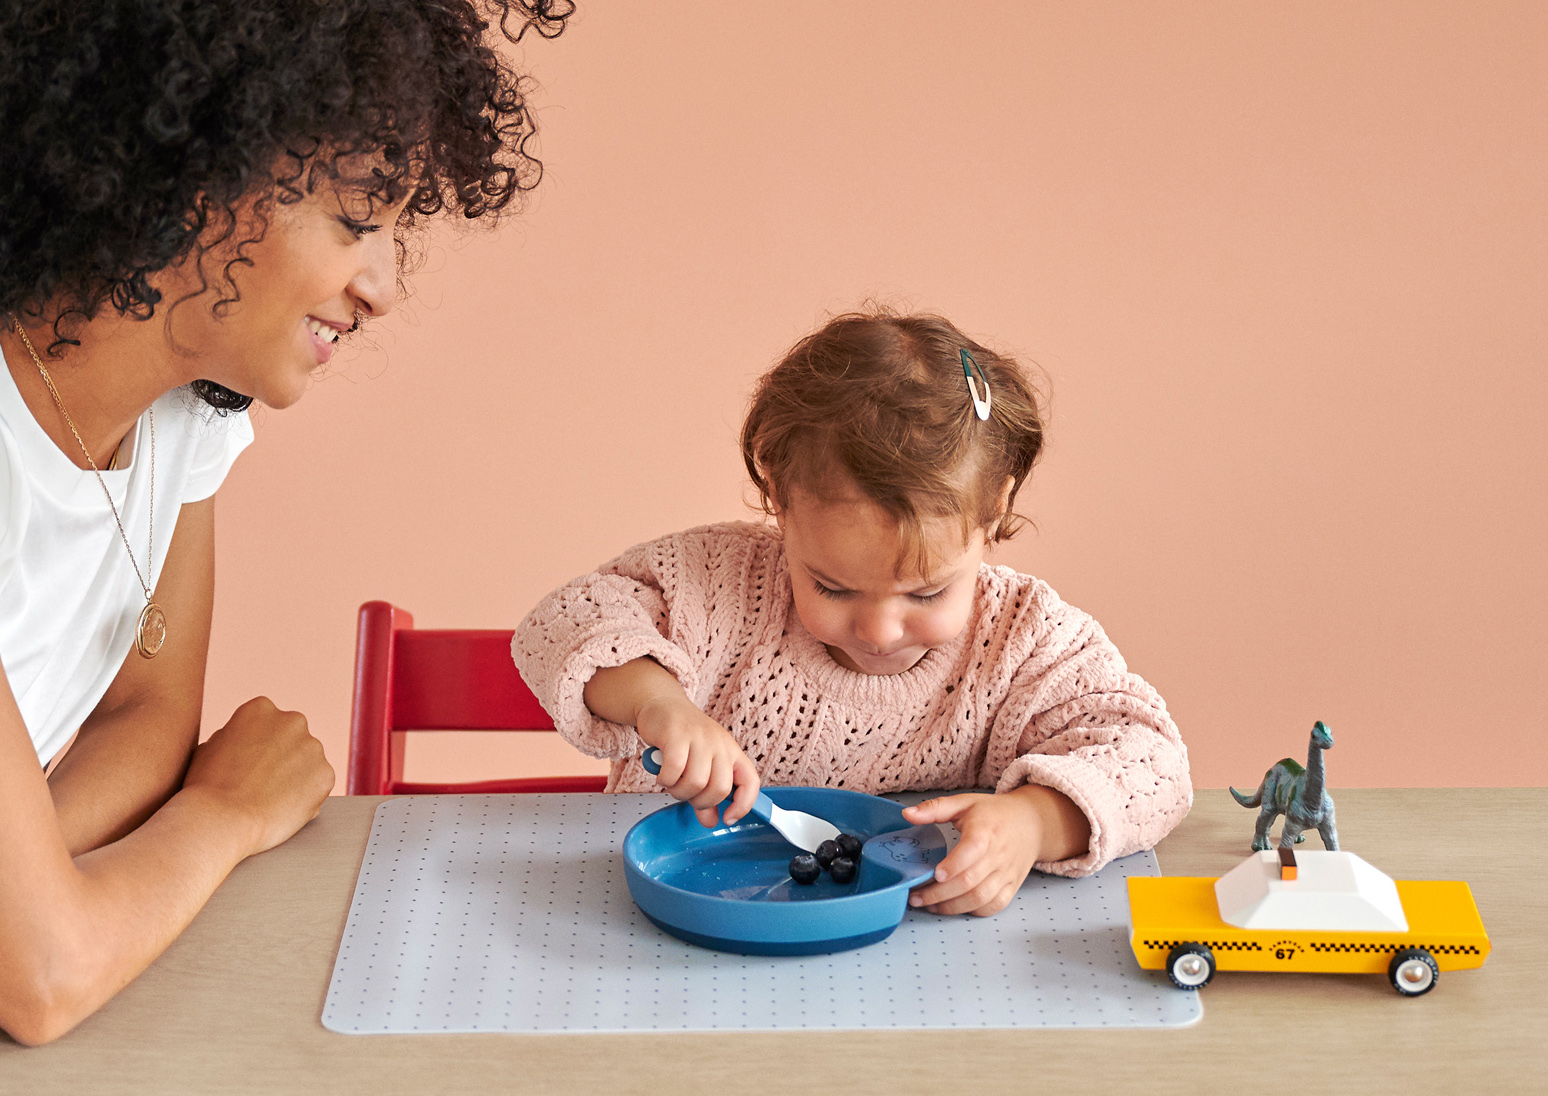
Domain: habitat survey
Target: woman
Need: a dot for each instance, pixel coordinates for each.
(198, 198)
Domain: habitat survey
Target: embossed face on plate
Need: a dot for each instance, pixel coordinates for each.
(902, 848)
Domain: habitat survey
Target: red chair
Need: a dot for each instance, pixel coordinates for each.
(409, 679)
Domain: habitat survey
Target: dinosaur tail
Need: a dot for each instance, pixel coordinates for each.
(1252, 800)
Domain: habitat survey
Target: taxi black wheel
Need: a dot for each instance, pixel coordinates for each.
(1190, 966)
(1413, 972)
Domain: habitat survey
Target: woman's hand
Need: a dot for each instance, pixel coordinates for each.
(1003, 835)
(264, 768)
(700, 761)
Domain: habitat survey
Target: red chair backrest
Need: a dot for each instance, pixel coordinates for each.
(409, 679)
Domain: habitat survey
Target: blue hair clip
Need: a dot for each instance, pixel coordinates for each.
(980, 405)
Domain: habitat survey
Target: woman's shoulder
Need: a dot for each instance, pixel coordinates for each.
(15, 499)
(198, 442)
(190, 421)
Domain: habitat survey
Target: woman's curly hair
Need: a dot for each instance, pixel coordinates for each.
(131, 129)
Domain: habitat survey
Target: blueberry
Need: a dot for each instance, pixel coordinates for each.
(842, 869)
(804, 868)
(848, 845)
(826, 852)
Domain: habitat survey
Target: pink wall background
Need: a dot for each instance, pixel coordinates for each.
(1285, 265)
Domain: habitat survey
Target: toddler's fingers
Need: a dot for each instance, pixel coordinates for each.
(951, 880)
(747, 784)
(964, 868)
(969, 900)
(717, 786)
(673, 761)
(998, 902)
(696, 775)
(932, 895)
(709, 817)
(942, 809)
(970, 859)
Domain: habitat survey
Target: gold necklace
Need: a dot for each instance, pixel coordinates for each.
(151, 632)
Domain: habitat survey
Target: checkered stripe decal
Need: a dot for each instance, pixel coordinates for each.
(1249, 945)
(1433, 949)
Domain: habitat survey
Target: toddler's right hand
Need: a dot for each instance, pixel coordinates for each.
(700, 761)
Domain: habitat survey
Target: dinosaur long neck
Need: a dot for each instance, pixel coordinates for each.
(1313, 773)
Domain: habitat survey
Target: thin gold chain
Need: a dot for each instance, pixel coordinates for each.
(151, 549)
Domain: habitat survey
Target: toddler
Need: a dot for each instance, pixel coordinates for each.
(861, 641)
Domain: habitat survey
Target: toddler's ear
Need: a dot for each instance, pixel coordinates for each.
(1000, 509)
(778, 508)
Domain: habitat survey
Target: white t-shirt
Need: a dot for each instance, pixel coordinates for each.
(69, 599)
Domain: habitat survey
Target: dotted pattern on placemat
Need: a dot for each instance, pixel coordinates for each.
(511, 913)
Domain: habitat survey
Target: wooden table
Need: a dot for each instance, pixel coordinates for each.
(233, 1005)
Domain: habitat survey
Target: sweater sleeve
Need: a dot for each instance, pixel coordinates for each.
(629, 608)
(1077, 721)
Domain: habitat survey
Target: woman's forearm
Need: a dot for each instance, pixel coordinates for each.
(88, 928)
(119, 771)
(74, 931)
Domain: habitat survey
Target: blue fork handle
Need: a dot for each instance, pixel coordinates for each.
(763, 806)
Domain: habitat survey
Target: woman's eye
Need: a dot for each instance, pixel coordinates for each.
(358, 228)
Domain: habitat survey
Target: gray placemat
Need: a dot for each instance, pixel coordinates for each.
(510, 913)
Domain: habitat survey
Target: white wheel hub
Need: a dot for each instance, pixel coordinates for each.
(1415, 976)
(1191, 969)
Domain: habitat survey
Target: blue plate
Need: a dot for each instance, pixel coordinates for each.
(730, 888)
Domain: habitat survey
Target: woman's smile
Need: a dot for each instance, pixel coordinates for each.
(324, 335)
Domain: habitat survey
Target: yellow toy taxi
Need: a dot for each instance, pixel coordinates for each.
(1323, 911)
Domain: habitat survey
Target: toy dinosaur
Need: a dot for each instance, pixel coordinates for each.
(1296, 793)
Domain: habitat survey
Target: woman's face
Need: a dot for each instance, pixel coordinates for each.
(321, 262)
(874, 616)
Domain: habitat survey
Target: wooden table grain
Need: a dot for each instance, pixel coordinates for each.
(233, 1006)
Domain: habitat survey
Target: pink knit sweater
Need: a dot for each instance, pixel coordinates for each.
(1033, 691)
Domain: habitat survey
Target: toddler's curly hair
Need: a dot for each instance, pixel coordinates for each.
(877, 402)
(128, 128)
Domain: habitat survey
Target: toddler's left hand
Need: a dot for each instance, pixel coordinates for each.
(1002, 837)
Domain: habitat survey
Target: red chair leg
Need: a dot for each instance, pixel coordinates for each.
(375, 751)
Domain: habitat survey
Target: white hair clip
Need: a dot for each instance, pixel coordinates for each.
(980, 405)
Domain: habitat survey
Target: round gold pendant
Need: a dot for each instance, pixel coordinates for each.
(152, 630)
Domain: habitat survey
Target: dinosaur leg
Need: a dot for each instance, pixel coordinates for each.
(1260, 833)
(1327, 826)
(1290, 833)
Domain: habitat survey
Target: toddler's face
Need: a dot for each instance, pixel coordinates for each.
(843, 557)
